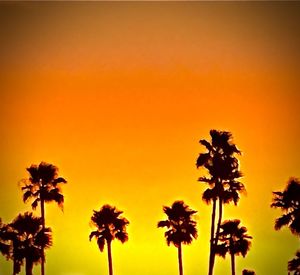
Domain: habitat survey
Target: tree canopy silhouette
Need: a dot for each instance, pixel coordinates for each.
(288, 201)
(294, 264)
(25, 239)
(110, 225)
(224, 186)
(181, 227)
(233, 240)
(43, 186)
(4, 242)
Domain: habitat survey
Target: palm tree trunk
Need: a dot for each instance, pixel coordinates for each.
(43, 223)
(218, 228)
(109, 258)
(219, 221)
(212, 233)
(180, 260)
(232, 264)
(28, 266)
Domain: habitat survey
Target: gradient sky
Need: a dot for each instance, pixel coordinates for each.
(118, 94)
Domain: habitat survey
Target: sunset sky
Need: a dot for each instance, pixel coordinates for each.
(118, 95)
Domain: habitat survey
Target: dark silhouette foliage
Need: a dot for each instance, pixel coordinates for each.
(43, 186)
(294, 264)
(110, 225)
(288, 201)
(233, 240)
(223, 179)
(25, 240)
(181, 227)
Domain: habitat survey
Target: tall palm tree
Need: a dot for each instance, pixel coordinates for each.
(181, 227)
(224, 187)
(110, 225)
(29, 238)
(288, 201)
(43, 186)
(294, 264)
(233, 240)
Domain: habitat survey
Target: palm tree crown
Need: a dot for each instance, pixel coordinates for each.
(109, 226)
(181, 226)
(289, 202)
(27, 238)
(294, 264)
(233, 239)
(223, 167)
(43, 184)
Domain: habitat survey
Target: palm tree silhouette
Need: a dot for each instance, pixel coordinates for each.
(289, 202)
(181, 227)
(294, 264)
(9, 243)
(43, 186)
(224, 186)
(110, 225)
(233, 240)
(26, 238)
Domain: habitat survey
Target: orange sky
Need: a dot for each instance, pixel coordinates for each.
(117, 95)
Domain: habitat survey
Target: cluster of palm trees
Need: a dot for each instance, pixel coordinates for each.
(222, 166)
(228, 237)
(25, 239)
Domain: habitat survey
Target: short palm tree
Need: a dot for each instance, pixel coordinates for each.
(181, 227)
(110, 225)
(288, 201)
(224, 187)
(43, 186)
(9, 242)
(294, 264)
(26, 238)
(233, 240)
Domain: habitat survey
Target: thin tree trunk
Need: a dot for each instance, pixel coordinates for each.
(180, 260)
(219, 221)
(212, 233)
(43, 224)
(109, 258)
(28, 266)
(232, 264)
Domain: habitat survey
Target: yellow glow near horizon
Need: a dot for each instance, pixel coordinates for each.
(117, 95)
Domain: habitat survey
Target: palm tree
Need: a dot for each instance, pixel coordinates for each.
(224, 187)
(289, 202)
(8, 243)
(29, 238)
(294, 264)
(181, 227)
(43, 186)
(233, 240)
(110, 225)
